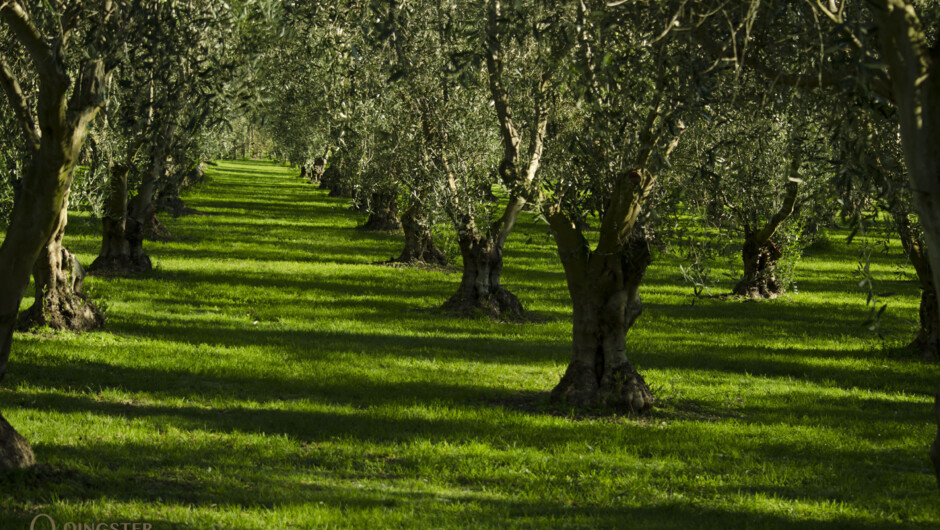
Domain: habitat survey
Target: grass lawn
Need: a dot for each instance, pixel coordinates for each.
(267, 375)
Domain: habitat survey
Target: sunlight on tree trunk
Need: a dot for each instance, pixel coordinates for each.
(59, 302)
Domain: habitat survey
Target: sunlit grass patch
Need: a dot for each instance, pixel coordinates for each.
(267, 375)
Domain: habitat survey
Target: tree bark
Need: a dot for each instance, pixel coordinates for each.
(141, 215)
(303, 172)
(54, 139)
(15, 452)
(332, 180)
(115, 254)
(383, 213)
(928, 336)
(606, 305)
(760, 263)
(419, 242)
(480, 289)
(604, 285)
(59, 301)
(760, 254)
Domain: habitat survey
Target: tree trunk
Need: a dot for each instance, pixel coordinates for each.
(303, 171)
(604, 285)
(915, 85)
(928, 336)
(419, 243)
(319, 166)
(115, 255)
(761, 254)
(59, 302)
(383, 213)
(605, 293)
(15, 452)
(760, 262)
(480, 288)
(141, 214)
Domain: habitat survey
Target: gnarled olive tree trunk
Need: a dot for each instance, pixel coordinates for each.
(605, 291)
(333, 181)
(482, 252)
(928, 336)
(383, 212)
(115, 254)
(315, 174)
(760, 254)
(58, 276)
(419, 242)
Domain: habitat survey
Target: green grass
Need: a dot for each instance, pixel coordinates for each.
(266, 375)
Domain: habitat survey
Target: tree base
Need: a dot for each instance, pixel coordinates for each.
(340, 193)
(15, 452)
(155, 231)
(622, 388)
(380, 225)
(500, 304)
(757, 290)
(175, 206)
(928, 347)
(120, 265)
(65, 311)
(432, 257)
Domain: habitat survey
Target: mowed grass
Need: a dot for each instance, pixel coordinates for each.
(268, 375)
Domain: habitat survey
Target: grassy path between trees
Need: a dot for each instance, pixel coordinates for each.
(266, 375)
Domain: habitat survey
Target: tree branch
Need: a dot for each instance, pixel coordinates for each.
(29, 36)
(573, 248)
(494, 68)
(539, 130)
(624, 209)
(785, 211)
(20, 107)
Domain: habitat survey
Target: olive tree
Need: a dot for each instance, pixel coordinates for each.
(68, 51)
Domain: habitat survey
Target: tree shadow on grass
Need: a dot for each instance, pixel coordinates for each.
(237, 487)
(172, 469)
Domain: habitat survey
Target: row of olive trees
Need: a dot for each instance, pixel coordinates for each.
(149, 80)
(612, 118)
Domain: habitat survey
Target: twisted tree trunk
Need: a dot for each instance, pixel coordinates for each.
(59, 301)
(383, 212)
(605, 290)
(606, 305)
(332, 180)
(760, 254)
(419, 242)
(480, 288)
(760, 263)
(482, 252)
(54, 139)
